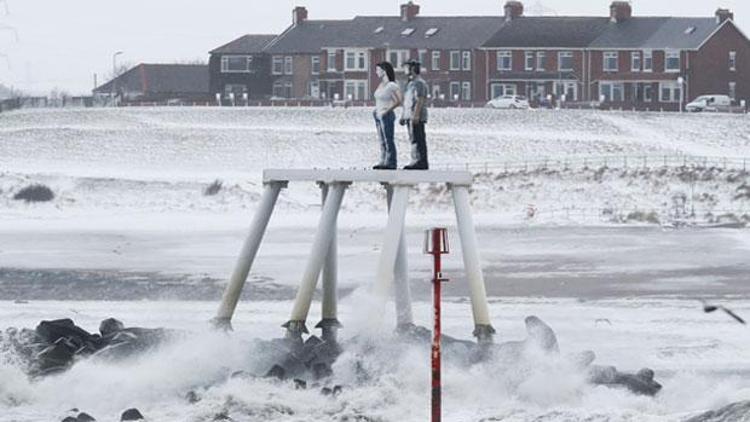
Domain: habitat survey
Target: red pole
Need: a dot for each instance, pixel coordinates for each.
(436, 363)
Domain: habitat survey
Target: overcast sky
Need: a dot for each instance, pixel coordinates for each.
(63, 43)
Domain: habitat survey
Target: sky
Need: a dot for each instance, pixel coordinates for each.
(61, 44)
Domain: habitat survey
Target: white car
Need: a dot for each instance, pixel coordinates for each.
(710, 103)
(509, 102)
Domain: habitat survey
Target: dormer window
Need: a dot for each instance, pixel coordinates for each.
(407, 32)
(689, 30)
(430, 32)
(379, 29)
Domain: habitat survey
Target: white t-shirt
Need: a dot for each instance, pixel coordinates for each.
(384, 96)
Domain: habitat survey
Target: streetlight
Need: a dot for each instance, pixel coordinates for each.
(681, 83)
(114, 76)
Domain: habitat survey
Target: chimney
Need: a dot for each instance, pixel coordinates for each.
(620, 11)
(409, 11)
(513, 9)
(299, 15)
(723, 15)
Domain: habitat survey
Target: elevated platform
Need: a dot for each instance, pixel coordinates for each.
(392, 177)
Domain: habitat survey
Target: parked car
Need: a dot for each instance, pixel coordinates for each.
(509, 102)
(710, 103)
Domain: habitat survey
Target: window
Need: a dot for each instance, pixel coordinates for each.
(612, 91)
(435, 60)
(423, 59)
(568, 89)
(288, 92)
(635, 62)
(672, 61)
(236, 64)
(466, 91)
(398, 57)
(648, 95)
(436, 91)
(430, 32)
(455, 90)
(455, 60)
(314, 91)
(610, 61)
(541, 61)
(501, 90)
(355, 60)
(407, 32)
(332, 60)
(565, 61)
(235, 89)
(669, 92)
(530, 59)
(466, 60)
(648, 61)
(733, 61)
(379, 29)
(278, 65)
(733, 90)
(282, 90)
(315, 65)
(355, 90)
(288, 65)
(504, 60)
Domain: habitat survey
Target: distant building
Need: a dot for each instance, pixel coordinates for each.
(159, 83)
(617, 60)
(241, 68)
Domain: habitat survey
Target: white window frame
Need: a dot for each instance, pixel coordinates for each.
(502, 89)
(466, 60)
(674, 92)
(454, 89)
(314, 89)
(529, 56)
(672, 54)
(541, 61)
(466, 91)
(560, 56)
(455, 60)
(435, 60)
(422, 57)
(733, 91)
(288, 65)
(611, 86)
(332, 56)
(562, 88)
(225, 63)
(355, 87)
(313, 61)
(607, 58)
(636, 61)
(277, 61)
(359, 60)
(732, 61)
(648, 93)
(402, 56)
(648, 61)
(501, 65)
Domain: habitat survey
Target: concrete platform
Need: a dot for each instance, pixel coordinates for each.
(394, 177)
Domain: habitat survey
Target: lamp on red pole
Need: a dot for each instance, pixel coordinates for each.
(436, 244)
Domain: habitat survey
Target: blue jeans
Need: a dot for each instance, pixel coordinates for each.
(385, 133)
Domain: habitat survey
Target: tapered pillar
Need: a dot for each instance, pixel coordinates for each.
(393, 235)
(402, 290)
(483, 328)
(321, 247)
(247, 256)
(329, 323)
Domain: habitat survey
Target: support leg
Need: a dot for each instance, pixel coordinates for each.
(329, 324)
(393, 235)
(247, 255)
(402, 291)
(321, 246)
(483, 328)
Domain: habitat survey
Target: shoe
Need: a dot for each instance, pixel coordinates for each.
(378, 167)
(416, 166)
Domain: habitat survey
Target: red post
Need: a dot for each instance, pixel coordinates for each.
(436, 245)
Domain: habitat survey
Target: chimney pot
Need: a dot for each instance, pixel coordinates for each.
(299, 15)
(409, 11)
(513, 9)
(723, 15)
(620, 11)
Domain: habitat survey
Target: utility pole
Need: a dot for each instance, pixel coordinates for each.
(113, 88)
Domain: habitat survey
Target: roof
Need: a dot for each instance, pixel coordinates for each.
(450, 32)
(672, 34)
(246, 44)
(161, 78)
(549, 32)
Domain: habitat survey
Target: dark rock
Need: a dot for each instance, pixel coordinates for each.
(223, 416)
(192, 397)
(85, 417)
(277, 372)
(321, 370)
(640, 383)
(131, 415)
(110, 326)
(734, 412)
(70, 419)
(300, 384)
(51, 331)
(326, 391)
(337, 389)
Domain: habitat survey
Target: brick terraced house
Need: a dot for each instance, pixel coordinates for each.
(616, 60)
(241, 68)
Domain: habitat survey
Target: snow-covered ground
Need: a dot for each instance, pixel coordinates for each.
(130, 222)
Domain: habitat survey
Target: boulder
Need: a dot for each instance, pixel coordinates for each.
(131, 415)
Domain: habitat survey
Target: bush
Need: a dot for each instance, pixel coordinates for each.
(35, 193)
(213, 188)
(643, 217)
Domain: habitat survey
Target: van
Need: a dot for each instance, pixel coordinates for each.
(710, 103)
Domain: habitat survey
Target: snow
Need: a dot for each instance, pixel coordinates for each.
(130, 221)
